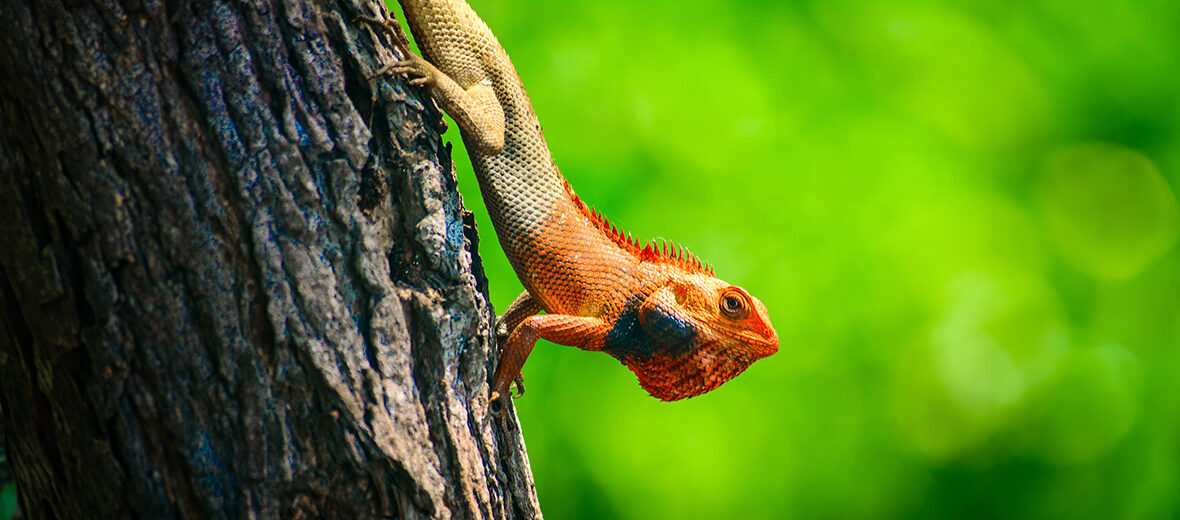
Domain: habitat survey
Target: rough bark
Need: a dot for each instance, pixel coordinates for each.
(231, 283)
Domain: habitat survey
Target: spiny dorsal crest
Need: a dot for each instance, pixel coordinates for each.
(657, 251)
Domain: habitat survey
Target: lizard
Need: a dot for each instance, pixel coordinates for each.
(653, 306)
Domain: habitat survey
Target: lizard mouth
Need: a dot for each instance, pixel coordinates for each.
(761, 346)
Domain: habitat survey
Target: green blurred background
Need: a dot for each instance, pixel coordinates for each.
(962, 217)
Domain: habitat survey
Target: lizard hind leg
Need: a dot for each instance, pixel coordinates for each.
(473, 103)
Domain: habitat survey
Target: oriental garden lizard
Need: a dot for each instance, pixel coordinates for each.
(653, 306)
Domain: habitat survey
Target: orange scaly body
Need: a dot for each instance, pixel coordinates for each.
(658, 310)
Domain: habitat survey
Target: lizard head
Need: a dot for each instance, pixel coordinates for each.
(697, 333)
(691, 332)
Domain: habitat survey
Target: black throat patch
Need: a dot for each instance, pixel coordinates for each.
(666, 334)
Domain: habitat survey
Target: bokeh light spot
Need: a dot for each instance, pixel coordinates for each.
(1089, 404)
(1000, 336)
(1107, 209)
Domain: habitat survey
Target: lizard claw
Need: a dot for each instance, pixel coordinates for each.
(519, 386)
(496, 405)
(392, 27)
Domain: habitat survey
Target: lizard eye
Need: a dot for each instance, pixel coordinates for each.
(733, 305)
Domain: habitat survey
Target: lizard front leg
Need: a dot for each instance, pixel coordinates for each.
(519, 310)
(574, 331)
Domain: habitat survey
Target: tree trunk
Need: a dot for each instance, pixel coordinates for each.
(236, 279)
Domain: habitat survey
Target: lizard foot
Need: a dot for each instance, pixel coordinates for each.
(420, 71)
(392, 27)
(496, 401)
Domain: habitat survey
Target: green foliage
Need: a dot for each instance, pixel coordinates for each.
(962, 217)
(7, 501)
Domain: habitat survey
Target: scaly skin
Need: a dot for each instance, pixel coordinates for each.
(656, 309)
